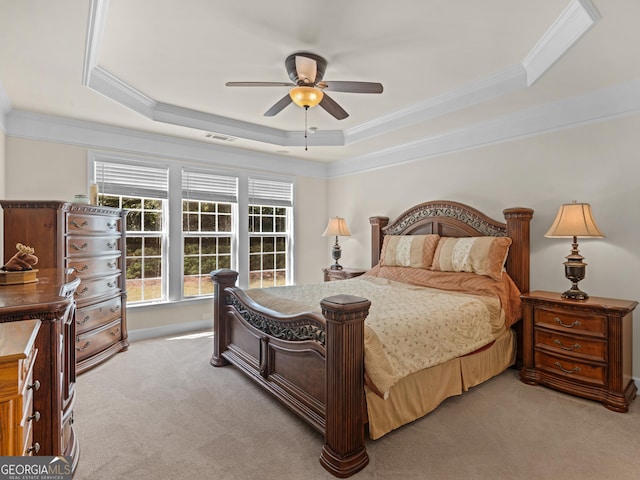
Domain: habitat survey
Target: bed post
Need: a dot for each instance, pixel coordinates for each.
(518, 220)
(377, 224)
(344, 453)
(221, 279)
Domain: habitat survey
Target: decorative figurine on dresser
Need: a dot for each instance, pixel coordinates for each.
(88, 240)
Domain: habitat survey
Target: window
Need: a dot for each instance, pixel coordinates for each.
(208, 205)
(186, 219)
(143, 192)
(269, 232)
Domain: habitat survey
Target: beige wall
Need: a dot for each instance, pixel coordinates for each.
(597, 163)
(51, 171)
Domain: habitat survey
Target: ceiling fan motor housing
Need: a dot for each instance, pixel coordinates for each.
(290, 64)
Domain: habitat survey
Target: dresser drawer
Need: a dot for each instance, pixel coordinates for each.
(77, 246)
(571, 369)
(85, 224)
(93, 316)
(580, 347)
(92, 266)
(98, 287)
(571, 322)
(97, 340)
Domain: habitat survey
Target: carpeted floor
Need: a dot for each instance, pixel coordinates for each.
(160, 411)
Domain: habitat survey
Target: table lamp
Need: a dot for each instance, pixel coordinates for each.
(572, 221)
(337, 227)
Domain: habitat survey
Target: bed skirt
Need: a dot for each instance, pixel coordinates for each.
(421, 392)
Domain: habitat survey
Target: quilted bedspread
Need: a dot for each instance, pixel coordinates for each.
(409, 327)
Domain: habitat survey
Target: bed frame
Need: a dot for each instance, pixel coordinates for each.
(314, 364)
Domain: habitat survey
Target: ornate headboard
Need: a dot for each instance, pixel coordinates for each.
(453, 219)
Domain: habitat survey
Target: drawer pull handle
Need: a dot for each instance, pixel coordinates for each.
(84, 268)
(35, 416)
(576, 323)
(573, 347)
(111, 244)
(34, 449)
(111, 225)
(81, 247)
(115, 309)
(84, 290)
(84, 320)
(111, 284)
(575, 370)
(83, 348)
(34, 386)
(83, 224)
(111, 264)
(115, 332)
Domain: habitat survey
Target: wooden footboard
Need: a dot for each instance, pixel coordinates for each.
(314, 364)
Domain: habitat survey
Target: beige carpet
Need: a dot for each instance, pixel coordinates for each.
(160, 411)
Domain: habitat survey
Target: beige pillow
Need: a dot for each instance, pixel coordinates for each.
(481, 255)
(408, 250)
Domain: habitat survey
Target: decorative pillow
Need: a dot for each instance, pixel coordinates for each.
(408, 250)
(481, 255)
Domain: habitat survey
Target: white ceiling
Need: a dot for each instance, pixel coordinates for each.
(447, 66)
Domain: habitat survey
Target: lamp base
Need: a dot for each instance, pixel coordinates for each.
(575, 294)
(336, 266)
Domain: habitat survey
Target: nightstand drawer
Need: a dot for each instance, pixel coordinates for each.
(571, 322)
(573, 346)
(570, 369)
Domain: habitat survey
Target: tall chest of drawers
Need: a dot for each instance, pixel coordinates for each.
(581, 347)
(17, 415)
(90, 241)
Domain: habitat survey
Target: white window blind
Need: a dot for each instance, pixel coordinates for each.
(270, 192)
(208, 187)
(131, 180)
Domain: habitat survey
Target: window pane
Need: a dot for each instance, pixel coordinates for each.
(255, 263)
(109, 201)
(134, 221)
(224, 208)
(152, 268)
(191, 207)
(134, 246)
(224, 223)
(268, 244)
(152, 246)
(191, 246)
(267, 210)
(208, 223)
(134, 268)
(267, 224)
(208, 265)
(132, 203)
(208, 207)
(281, 224)
(281, 244)
(152, 204)
(191, 266)
(152, 289)
(281, 278)
(224, 261)
(224, 245)
(255, 245)
(268, 262)
(209, 245)
(281, 261)
(152, 222)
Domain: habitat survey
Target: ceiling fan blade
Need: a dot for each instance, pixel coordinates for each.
(260, 84)
(307, 69)
(351, 87)
(333, 108)
(279, 106)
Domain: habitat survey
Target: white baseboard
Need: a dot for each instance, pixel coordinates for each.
(167, 330)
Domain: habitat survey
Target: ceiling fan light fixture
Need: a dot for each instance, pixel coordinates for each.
(307, 97)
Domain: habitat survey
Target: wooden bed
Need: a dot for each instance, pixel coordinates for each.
(314, 363)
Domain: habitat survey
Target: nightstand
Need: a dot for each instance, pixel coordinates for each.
(332, 275)
(581, 347)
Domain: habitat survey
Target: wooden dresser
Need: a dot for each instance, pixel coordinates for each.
(90, 240)
(51, 301)
(582, 347)
(17, 356)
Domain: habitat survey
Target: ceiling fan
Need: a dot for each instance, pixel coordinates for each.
(306, 71)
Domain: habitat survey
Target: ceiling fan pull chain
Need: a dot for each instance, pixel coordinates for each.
(306, 109)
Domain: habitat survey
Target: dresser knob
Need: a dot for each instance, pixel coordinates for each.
(35, 416)
(566, 325)
(34, 449)
(35, 385)
(575, 370)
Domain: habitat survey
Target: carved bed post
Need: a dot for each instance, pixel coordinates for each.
(344, 453)
(518, 220)
(377, 224)
(221, 280)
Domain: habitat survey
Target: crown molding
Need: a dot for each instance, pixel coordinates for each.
(35, 126)
(574, 21)
(601, 105)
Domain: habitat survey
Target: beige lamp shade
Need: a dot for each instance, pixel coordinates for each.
(574, 220)
(337, 227)
(306, 96)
